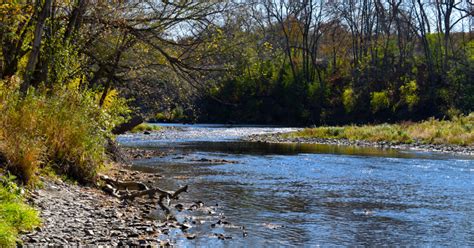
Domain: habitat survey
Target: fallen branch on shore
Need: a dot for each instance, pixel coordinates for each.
(121, 185)
(121, 190)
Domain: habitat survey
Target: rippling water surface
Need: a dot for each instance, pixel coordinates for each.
(309, 195)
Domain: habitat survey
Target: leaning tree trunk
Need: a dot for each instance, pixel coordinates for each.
(129, 125)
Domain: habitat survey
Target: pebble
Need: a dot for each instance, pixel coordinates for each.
(190, 236)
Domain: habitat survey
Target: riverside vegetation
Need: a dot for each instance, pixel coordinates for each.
(458, 131)
(64, 132)
(452, 136)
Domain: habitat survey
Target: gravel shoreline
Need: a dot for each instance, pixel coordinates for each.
(278, 138)
(75, 215)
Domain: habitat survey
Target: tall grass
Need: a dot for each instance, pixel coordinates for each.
(15, 215)
(458, 131)
(64, 129)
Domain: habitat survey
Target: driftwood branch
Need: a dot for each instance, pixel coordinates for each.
(121, 185)
(121, 189)
(153, 191)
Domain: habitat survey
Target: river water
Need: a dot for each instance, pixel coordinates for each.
(314, 195)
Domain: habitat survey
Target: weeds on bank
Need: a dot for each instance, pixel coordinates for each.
(15, 215)
(458, 131)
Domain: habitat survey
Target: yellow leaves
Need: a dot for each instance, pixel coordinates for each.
(161, 60)
(348, 99)
(379, 100)
(213, 45)
(12, 82)
(22, 64)
(217, 37)
(409, 93)
(9, 8)
(110, 98)
(267, 45)
(15, 12)
(74, 83)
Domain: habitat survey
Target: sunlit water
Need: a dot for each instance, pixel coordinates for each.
(309, 195)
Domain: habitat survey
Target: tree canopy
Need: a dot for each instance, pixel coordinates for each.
(257, 61)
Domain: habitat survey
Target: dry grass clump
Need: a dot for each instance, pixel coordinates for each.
(459, 131)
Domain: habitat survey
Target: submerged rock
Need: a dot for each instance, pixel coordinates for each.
(179, 207)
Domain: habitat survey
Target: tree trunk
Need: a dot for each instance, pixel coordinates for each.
(135, 121)
(74, 20)
(33, 59)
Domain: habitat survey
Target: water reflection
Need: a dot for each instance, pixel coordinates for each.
(256, 148)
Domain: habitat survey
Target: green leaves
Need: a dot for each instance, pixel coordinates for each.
(348, 99)
(379, 101)
(409, 94)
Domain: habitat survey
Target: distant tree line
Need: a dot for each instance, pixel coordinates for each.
(348, 61)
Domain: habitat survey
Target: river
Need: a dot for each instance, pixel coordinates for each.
(304, 195)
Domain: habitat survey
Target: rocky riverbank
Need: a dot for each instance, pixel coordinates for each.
(76, 215)
(280, 138)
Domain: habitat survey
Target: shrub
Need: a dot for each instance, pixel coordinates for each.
(145, 127)
(459, 131)
(177, 113)
(161, 116)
